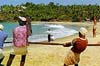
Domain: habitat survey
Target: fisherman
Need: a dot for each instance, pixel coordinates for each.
(94, 26)
(78, 46)
(3, 37)
(50, 36)
(20, 42)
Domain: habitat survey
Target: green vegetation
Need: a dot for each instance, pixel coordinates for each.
(49, 12)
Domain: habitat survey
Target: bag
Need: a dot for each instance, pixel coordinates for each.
(52, 38)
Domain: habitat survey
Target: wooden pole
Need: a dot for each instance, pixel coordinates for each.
(48, 43)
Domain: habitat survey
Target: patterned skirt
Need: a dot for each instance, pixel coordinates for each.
(19, 50)
(72, 58)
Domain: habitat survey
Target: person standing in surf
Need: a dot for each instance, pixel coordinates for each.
(50, 36)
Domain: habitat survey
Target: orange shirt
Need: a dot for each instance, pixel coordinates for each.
(79, 45)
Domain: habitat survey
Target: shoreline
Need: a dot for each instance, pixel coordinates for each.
(48, 55)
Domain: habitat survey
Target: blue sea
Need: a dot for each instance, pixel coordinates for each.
(39, 31)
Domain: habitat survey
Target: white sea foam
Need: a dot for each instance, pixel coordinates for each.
(62, 32)
(55, 26)
(40, 32)
(59, 32)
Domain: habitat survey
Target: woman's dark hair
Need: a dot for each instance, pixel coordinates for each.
(22, 22)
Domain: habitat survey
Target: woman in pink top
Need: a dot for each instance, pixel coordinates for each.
(20, 41)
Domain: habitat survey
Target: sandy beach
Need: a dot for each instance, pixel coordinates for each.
(53, 55)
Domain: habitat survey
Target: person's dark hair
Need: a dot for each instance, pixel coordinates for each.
(21, 22)
(80, 35)
(93, 17)
(49, 29)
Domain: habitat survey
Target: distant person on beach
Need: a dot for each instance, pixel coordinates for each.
(50, 36)
(94, 26)
(3, 37)
(20, 42)
(78, 46)
(29, 27)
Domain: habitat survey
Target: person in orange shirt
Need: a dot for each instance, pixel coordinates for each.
(78, 46)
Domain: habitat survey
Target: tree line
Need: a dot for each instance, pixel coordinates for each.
(49, 12)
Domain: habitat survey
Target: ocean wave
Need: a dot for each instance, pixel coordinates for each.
(55, 26)
(40, 32)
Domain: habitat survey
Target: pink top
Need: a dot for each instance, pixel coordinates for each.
(20, 37)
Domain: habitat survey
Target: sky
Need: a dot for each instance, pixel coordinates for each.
(61, 2)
